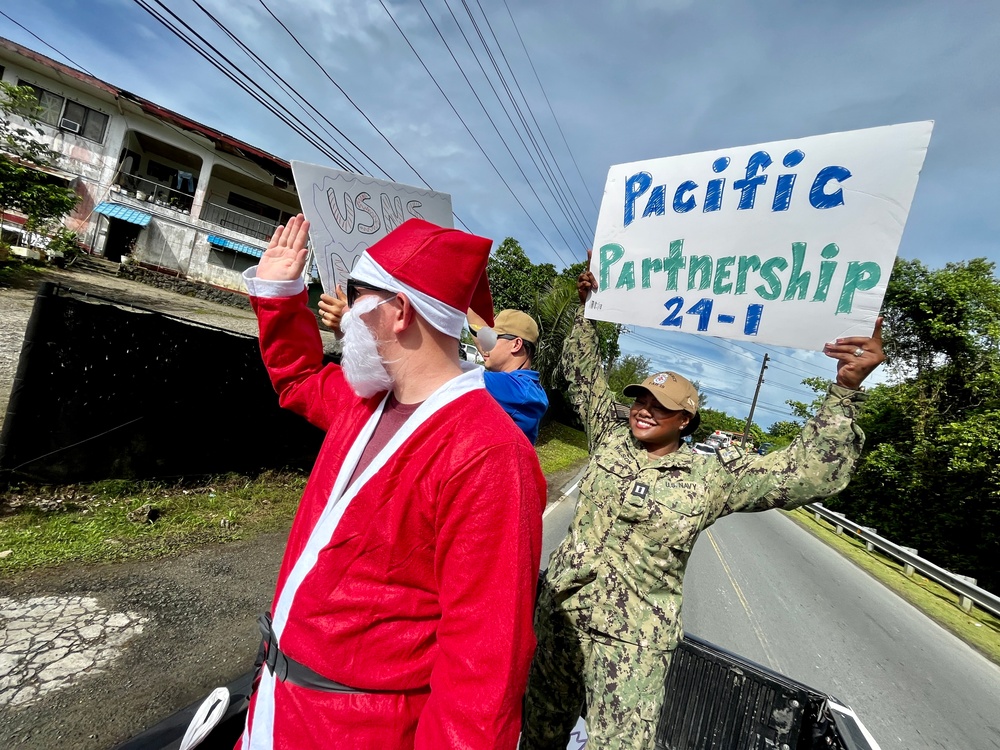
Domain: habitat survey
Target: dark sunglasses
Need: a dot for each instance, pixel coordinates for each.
(508, 336)
(354, 290)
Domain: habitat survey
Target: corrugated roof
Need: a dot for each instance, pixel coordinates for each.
(118, 211)
(240, 247)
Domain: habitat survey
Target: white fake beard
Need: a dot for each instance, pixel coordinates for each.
(363, 366)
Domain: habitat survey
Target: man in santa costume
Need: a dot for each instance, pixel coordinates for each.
(402, 616)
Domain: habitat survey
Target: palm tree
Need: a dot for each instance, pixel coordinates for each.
(553, 310)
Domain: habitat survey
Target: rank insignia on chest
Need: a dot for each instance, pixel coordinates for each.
(729, 455)
(640, 490)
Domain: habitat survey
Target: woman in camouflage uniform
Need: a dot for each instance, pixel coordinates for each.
(609, 612)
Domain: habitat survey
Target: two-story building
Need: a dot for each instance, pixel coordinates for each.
(169, 192)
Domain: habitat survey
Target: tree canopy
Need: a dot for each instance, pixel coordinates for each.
(24, 187)
(550, 298)
(929, 477)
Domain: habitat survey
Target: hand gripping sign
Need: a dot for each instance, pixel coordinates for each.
(788, 243)
(349, 212)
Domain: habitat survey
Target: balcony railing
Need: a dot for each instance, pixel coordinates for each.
(262, 229)
(156, 193)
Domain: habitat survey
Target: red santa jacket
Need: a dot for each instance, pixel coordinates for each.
(417, 580)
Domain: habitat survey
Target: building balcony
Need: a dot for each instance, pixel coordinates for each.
(151, 193)
(233, 221)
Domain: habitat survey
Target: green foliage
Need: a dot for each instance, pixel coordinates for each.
(24, 188)
(19, 126)
(938, 318)
(65, 241)
(628, 369)
(803, 410)
(559, 447)
(514, 280)
(553, 311)
(784, 430)
(551, 299)
(92, 524)
(929, 476)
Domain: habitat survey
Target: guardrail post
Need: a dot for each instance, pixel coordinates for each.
(817, 516)
(908, 569)
(963, 601)
(870, 546)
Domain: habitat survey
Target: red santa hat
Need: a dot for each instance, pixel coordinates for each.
(441, 271)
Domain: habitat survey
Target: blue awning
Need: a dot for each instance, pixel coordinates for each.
(117, 211)
(214, 239)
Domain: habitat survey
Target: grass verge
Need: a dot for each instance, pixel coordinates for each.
(977, 628)
(559, 447)
(118, 520)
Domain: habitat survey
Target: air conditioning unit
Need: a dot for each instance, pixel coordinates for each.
(72, 127)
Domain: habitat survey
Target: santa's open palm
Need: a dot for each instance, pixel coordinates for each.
(285, 257)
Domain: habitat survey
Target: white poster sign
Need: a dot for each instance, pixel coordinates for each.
(348, 213)
(788, 243)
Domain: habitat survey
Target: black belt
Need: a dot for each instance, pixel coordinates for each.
(296, 673)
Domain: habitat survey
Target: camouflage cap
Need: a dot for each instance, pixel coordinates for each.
(672, 391)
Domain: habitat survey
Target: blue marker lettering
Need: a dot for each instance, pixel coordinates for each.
(635, 186)
(713, 194)
(818, 197)
(758, 161)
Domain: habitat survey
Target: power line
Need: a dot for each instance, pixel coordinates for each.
(61, 54)
(346, 96)
(312, 138)
(581, 215)
(302, 102)
(549, 103)
(492, 123)
(548, 176)
(469, 130)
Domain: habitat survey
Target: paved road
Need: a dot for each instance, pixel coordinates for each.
(763, 587)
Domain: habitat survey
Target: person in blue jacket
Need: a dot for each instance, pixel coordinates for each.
(507, 349)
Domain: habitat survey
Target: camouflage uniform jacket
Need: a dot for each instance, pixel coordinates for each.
(620, 569)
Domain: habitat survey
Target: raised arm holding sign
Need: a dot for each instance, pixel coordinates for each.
(608, 617)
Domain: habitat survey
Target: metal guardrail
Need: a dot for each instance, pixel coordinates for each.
(968, 593)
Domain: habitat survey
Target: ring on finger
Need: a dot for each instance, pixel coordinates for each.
(858, 352)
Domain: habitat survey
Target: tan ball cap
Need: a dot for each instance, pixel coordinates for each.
(516, 323)
(672, 391)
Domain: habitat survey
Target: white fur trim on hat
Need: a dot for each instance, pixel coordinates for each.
(443, 317)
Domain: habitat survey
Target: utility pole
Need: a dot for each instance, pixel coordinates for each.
(760, 381)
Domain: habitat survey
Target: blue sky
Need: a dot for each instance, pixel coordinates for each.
(627, 80)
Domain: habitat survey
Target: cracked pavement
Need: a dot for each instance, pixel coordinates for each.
(53, 642)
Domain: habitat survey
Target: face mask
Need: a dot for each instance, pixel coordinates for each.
(363, 366)
(487, 338)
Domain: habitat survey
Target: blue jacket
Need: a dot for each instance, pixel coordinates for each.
(522, 396)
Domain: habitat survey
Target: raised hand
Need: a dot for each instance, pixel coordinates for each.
(285, 257)
(857, 356)
(585, 282)
(332, 310)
